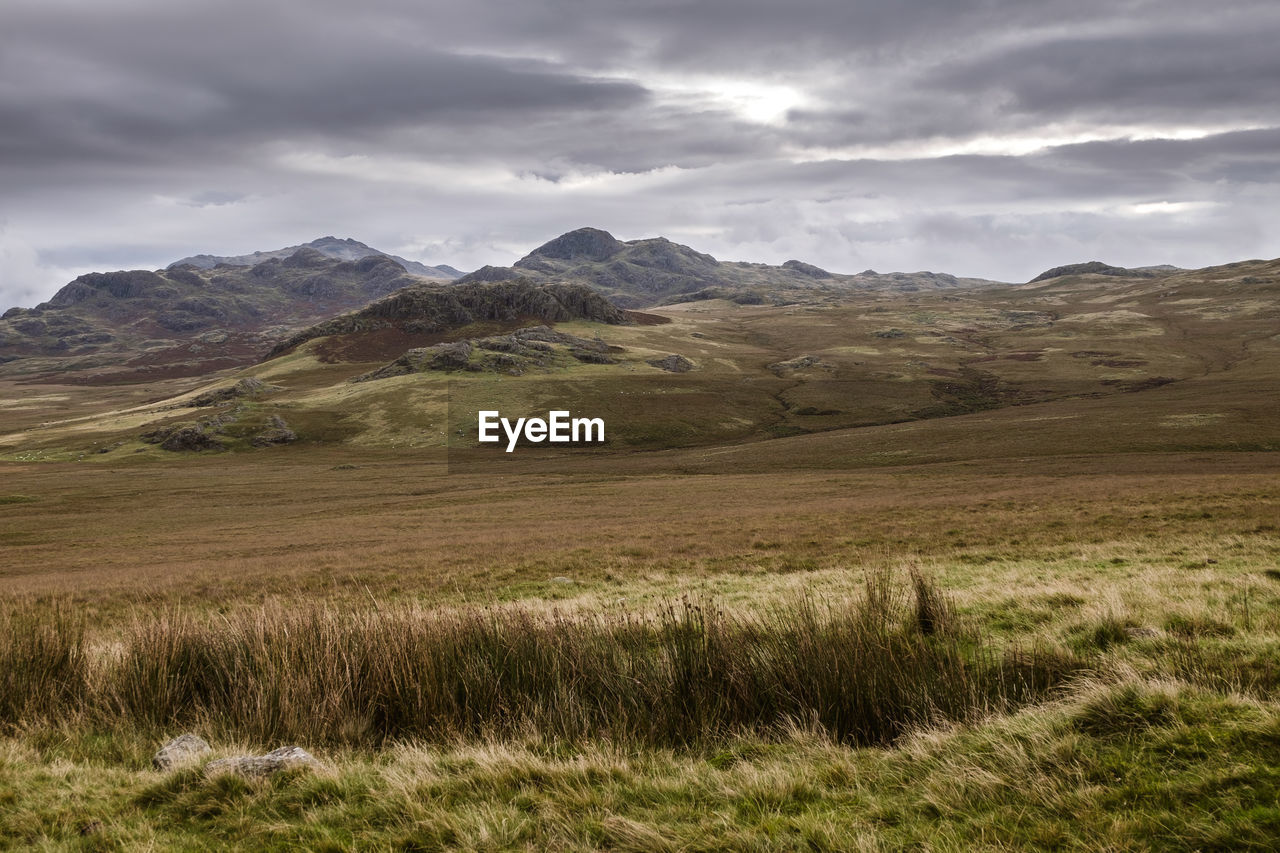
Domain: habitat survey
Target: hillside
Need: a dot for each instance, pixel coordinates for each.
(656, 271)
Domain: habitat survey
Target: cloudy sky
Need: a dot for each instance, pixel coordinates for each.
(990, 138)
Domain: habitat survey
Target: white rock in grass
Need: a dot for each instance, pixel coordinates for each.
(284, 758)
(184, 749)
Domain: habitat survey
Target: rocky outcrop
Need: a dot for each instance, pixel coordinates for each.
(449, 356)
(548, 335)
(183, 750)
(428, 308)
(672, 363)
(188, 438)
(234, 425)
(514, 354)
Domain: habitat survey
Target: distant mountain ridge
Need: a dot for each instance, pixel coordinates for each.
(342, 249)
(185, 320)
(656, 271)
(1099, 268)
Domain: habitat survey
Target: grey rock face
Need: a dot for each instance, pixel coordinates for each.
(184, 749)
(284, 758)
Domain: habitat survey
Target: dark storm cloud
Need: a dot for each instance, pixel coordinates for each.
(1131, 76)
(994, 135)
(160, 105)
(720, 34)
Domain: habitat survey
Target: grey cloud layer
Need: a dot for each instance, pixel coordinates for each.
(149, 130)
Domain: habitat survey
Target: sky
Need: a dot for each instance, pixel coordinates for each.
(989, 138)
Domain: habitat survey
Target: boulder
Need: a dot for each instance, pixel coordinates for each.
(256, 766)
(184, 749)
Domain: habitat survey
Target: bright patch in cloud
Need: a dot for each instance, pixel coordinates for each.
(1167, 207)
(1007, 145)
(751, 100)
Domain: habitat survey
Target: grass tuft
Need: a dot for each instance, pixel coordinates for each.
(1126, 711)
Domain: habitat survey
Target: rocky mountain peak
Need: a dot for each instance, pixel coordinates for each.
(584, 244)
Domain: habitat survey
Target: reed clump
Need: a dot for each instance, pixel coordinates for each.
(862, 671)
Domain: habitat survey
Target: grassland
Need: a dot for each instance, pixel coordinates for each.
(1112, 541)
(1157, 574)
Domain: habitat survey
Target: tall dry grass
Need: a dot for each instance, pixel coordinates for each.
(44, 668)
(863, 671)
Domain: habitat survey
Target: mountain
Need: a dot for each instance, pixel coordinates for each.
(331, 247)
(134, 325)
(656, 271)
(1099, 268)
